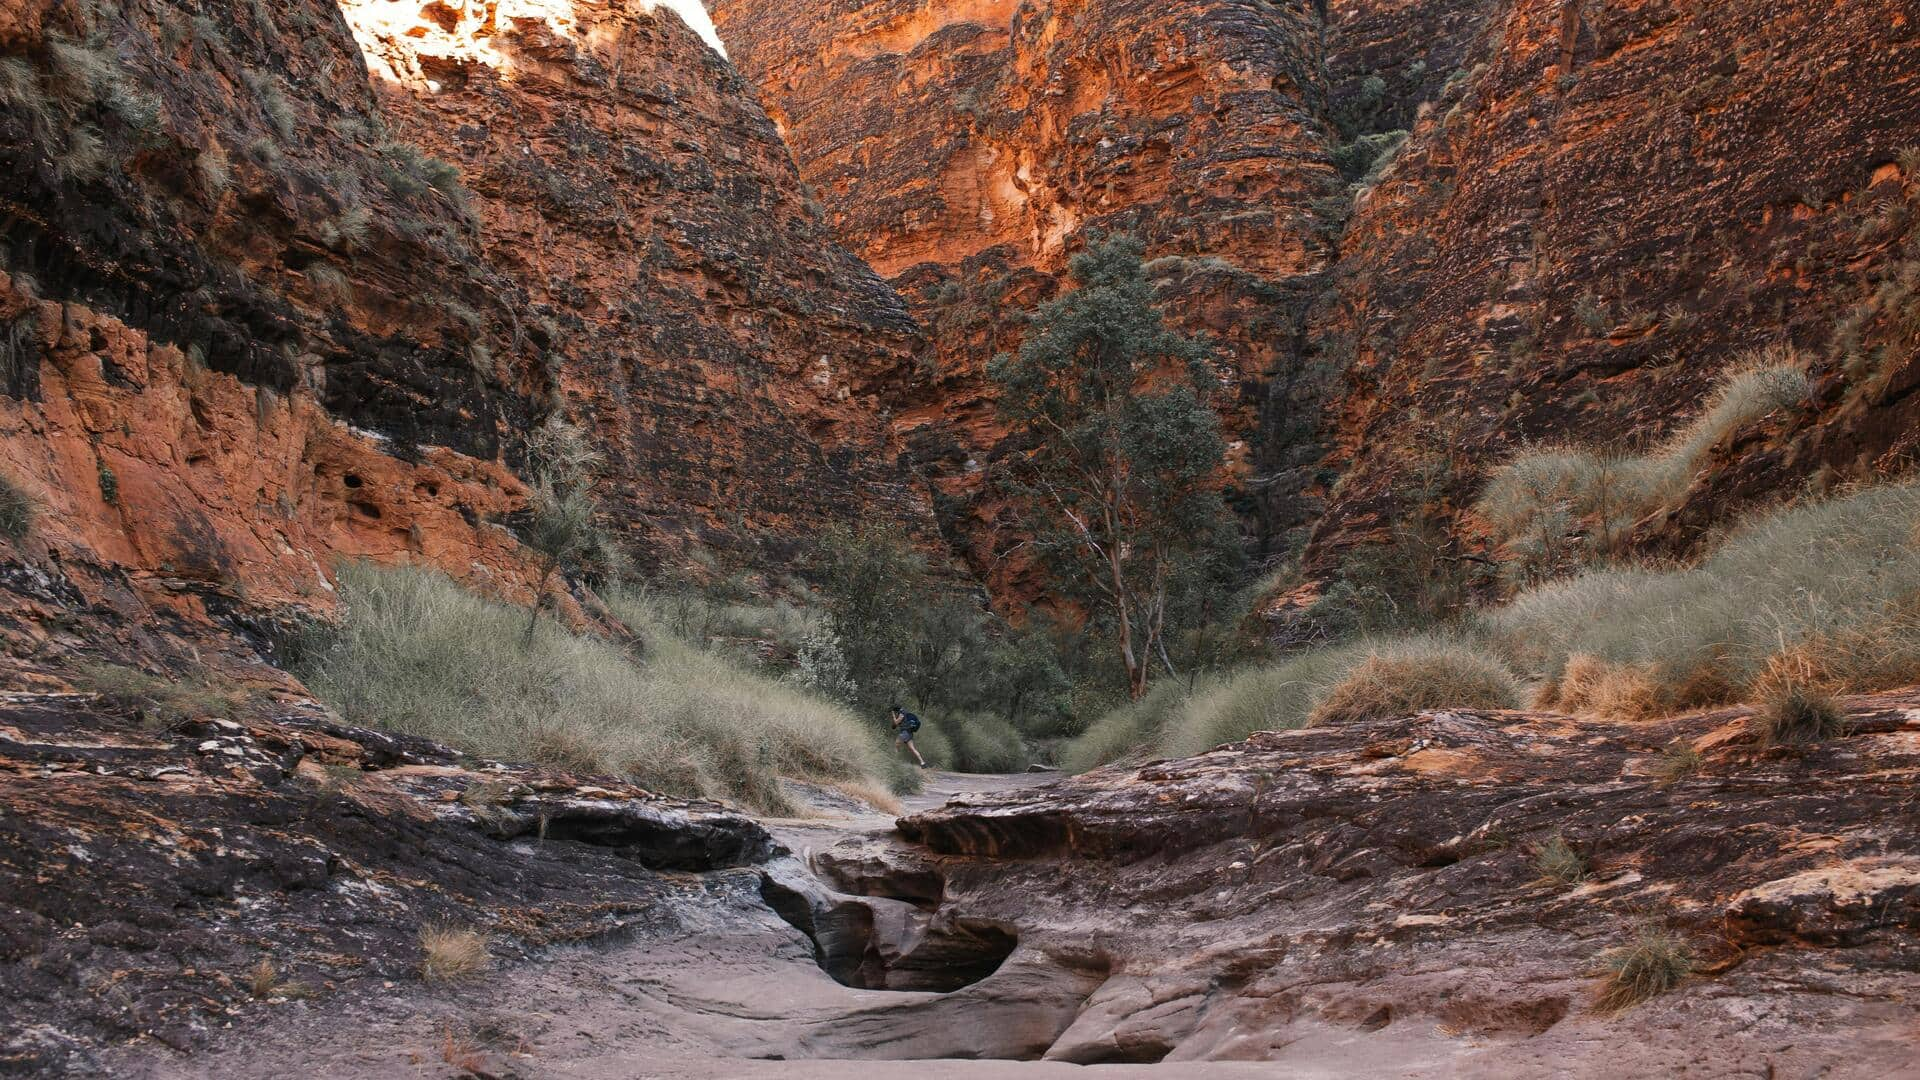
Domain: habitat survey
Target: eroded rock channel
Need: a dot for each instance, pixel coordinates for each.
(1354, 900)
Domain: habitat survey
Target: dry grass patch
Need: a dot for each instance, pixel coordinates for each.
(448, 953)
(1558, 863)
(1397, 678)
(1821, 596)
(265, 981)
(161, 701)
(1651, 964)
(415, 652)
(1677, 761)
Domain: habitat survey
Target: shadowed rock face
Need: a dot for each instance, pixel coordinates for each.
(1606, 206)
(1370, 891)
(252, 324)
(726, 353)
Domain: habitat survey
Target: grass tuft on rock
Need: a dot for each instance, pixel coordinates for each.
(16, 511)
(1558, 863)
(451, 953)
(1653, 963)
(412, 651)
(1799, 715)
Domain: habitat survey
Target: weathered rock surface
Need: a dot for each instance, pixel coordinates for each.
(1367, 895)
(726, 353)
(146, 870)
(966, 148)
(1602, 208)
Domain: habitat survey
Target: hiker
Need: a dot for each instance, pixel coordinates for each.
(907, 724)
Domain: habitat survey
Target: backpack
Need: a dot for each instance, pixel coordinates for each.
(909, 723)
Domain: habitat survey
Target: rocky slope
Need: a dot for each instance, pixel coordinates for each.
(1370, 896)
(967, 148)
(148, 869)
(1604, 207)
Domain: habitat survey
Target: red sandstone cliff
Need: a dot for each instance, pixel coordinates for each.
(965, 148)
(254, 323)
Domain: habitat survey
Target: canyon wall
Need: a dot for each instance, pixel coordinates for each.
(265, 310)
(967, 148)
(1423, 232)
(1601, 210)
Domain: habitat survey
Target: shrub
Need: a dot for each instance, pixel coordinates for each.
(1824, 596)
(1558, 864)
(162, 700)
(448, 953)
(1405, 676)
(1796, 715)
(1132, 727)
(1651, 964)
(1374, 678)
(16, 511)
(414, 652)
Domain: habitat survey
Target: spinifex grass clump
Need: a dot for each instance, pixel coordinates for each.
(1651, 964)
(414, 652)
(1823, 597)
(1558, 863)
(448, 953)
(1797, 715)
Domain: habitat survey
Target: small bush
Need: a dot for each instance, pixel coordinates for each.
(1558, 864)
(264, 981)
(981, 743)
(1396, 678)
(448, 953)
(1796, 715)
(1133, 727)
(16, 511)
(163, 701)
(1651, 964)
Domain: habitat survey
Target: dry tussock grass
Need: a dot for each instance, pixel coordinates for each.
(1396, 679)
(448, 953)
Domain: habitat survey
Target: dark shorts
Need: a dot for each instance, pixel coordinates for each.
(904, 736)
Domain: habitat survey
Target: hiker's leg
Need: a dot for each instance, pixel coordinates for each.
(916, 754)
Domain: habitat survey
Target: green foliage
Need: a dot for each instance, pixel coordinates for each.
(1677, 761)
(16, 511)
(1366, 157)
(560, 525)
(1121, 486)
(414, 652)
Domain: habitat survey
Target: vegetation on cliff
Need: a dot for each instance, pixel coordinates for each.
(415, 652)
(1788, 609)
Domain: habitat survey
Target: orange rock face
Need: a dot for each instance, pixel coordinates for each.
(255, 323)
(1607, 206)
(966, 148)
(726, 353)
